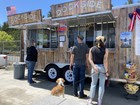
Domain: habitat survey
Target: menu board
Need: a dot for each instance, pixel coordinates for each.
(54, 40)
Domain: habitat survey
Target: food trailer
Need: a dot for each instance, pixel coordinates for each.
(56, 35)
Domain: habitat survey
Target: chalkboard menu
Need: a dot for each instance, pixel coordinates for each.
(54, 40)
(73, 32)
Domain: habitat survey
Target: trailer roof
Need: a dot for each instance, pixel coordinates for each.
(106, 16)
(126, 6)
(39, 25)
(98, 16)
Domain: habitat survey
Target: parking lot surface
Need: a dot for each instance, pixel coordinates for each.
(19, 92)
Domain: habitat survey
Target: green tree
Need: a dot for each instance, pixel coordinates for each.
(13, 32)
(129, 2)
(5, 27)
(49, 14)
(6, 42)
(5, 36)
(0, 27)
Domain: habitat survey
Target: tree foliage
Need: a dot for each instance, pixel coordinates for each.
(0, 27)
(49, 14)
(129, 2)
(13, 32)
(7, 43)
(5, 36)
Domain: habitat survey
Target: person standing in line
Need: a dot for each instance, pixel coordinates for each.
(79, 60)
(97, 54)
(31, 60)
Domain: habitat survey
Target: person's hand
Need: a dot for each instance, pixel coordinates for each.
(107, 74)
(70, 67)
(88, 69)
(95, 69)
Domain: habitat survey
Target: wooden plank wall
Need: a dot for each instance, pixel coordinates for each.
(122, 55)
(116, 59)
(59, 55)
(79, 7)
(62, 55)
(25, 18)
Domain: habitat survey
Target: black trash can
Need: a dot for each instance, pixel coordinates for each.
(19, 70)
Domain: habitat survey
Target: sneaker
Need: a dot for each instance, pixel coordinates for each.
(82, 96)
(99, 102)
(32, 82)
(89, 102)
(75, 95)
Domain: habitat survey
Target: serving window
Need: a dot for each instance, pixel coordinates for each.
(106, 29)
(91, 31)
(44, 38)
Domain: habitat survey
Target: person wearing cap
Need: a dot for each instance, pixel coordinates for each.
(31, 60)
(97, 54)
(79, 60)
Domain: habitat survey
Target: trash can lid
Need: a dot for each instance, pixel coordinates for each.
(19, 63)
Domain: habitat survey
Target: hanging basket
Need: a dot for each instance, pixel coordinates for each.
(131, 89)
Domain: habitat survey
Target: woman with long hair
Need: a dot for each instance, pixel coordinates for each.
(96, 59)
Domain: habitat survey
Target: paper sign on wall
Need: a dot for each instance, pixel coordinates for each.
(125, 39)
(61, 44)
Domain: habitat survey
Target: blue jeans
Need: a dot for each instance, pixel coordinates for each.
(30, 66)
(79, 79)
(95, 76)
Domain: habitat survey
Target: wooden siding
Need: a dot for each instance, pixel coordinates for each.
(79, 7)
(122, 55)
(116, 57)
(25, 18)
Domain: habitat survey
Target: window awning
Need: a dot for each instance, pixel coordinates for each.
(91, 17)
(39, 25)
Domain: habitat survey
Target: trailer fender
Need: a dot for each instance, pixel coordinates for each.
(62, 65)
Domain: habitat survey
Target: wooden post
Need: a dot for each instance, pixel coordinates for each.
(21, 46)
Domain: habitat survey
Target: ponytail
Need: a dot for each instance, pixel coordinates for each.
(99, 43)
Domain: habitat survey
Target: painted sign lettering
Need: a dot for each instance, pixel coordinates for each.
(80, 6)
(25, 18)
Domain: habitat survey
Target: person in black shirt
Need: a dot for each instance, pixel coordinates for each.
(96, 58)
(79, 61)
(31, 60)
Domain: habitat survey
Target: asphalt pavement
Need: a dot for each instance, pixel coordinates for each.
(19, 92)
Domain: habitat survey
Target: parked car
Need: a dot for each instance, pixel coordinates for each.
(3, 60)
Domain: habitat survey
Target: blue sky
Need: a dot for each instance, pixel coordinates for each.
(29, 5)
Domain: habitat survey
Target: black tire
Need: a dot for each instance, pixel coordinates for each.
(52, 72)
(67, 75)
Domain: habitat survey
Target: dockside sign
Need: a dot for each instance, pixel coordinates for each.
(79, 7)
(25, 18)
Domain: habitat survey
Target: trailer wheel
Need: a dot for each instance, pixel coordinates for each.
(67, 75)
(52, 72)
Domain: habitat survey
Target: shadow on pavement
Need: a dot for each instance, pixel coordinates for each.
(114, 94)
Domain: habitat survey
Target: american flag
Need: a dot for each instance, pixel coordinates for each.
(11, 10)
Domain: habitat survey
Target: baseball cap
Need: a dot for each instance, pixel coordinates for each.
(81, 37)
